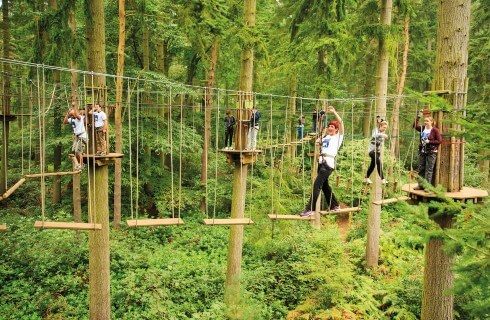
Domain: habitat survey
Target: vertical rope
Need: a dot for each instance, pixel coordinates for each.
(206, 151)
(128, 103)
(352, 156)
(216, 142)
(303, 175)
(137, 148)
(22, 111)
(272, 160)
(31, 111)
(171, 151)
(180, 151)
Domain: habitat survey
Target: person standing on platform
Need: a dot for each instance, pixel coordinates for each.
(430, 139)
(301, 127)
(330, 143)
(100, 125)
(253, 129)
(80, 138)
(229, 129)
(375, 147)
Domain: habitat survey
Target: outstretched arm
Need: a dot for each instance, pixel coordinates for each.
(339, 119)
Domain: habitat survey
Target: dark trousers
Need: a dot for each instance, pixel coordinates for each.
(427, 163)
(228, 137)
(321, 183)
(375, 161)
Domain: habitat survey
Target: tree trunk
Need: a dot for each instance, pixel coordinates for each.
(6, 97)
(293, 134)
(367, 119)
(117, 113)
(146, 48)
(395, 118)
(374, 213)
(208, 105)
(96, 41)
(450, 74)
(235, 245)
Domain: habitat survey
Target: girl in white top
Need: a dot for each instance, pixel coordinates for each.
(80, 138)
(330, 143)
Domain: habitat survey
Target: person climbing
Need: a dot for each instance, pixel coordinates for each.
(80, 139)
(430, 139)
(317, 120)
(330, 143)
(253, 129)
(375, 147)
(229, 129)
(100, 125)
(301, 127)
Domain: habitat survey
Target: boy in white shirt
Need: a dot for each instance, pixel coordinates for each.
(100, 124)
(80, 138)
(330, 143)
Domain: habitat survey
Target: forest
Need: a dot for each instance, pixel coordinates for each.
(170, 221)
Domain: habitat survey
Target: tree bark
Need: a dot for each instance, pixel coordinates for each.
(374, 213)
(453, 26)
(208, 105)
(6, 97)
(235, 246)
(395, 118)
(368, 88)
(117, 113)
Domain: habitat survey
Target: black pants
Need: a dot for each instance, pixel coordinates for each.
(228, 137)
(427, 163)
(321, 183)
(375, 161)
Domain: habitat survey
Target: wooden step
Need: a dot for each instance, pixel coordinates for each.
(230, 221)
(342, 210)
(67, 225)
(3, 227)
(50, 174)
(391, 200)
(290, 217)
(154, 222)
(13, 188)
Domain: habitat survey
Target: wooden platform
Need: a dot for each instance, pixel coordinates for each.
(101, 160)
(51, 174)
(12, 189)
(465, 193)
(3, 227)
(342, 210)
(67, 225)
(154, 222)
(228, 222)
(242, 156)
(391, 200)
(290, 217)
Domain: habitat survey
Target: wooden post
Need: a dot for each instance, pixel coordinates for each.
(5, 98)
(99, 269)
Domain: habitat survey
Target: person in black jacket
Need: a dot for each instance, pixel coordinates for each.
(229, 129)
(253, 129)
(430, 139)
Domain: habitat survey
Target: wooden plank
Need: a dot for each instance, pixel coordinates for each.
(13, 188)
(391, 200)
(464, 193)
(290, 217)
(67, 225)
(154, 222)
(231, 221)
(50, 174)
(342, 210)
(3, 227)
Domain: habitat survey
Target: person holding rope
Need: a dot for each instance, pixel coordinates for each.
(230, 122)
(80, 139)
(430, 139)
(377, 140)
(330, 142)
(100, 124)
(253, 129)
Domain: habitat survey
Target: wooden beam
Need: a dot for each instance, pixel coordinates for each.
(154, 222)
(3, 227)
(13, 188)
(290, 217)
(391, 200)
(342, 210)
(231, 221)
(50, 174)
(67, 225)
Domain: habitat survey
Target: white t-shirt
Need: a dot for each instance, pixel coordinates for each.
(78, 125)
(330, 145)
(99, 118)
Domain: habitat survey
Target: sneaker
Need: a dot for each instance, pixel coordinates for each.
(418, 187)
(368, 181)
(336, 208)
(384, 181)
(307, 213)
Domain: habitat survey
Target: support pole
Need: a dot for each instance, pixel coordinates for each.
(99, 269)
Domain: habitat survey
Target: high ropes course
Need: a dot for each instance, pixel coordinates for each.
(157, 116)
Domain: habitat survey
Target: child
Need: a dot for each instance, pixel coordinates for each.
(430, 139)
(229, 129)
(253, 129)
(375, 150)
(100, 124)
(301, 127)
(330, 144)
(80, 138)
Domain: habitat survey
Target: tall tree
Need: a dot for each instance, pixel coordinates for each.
(374, 213)
(5, 97)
